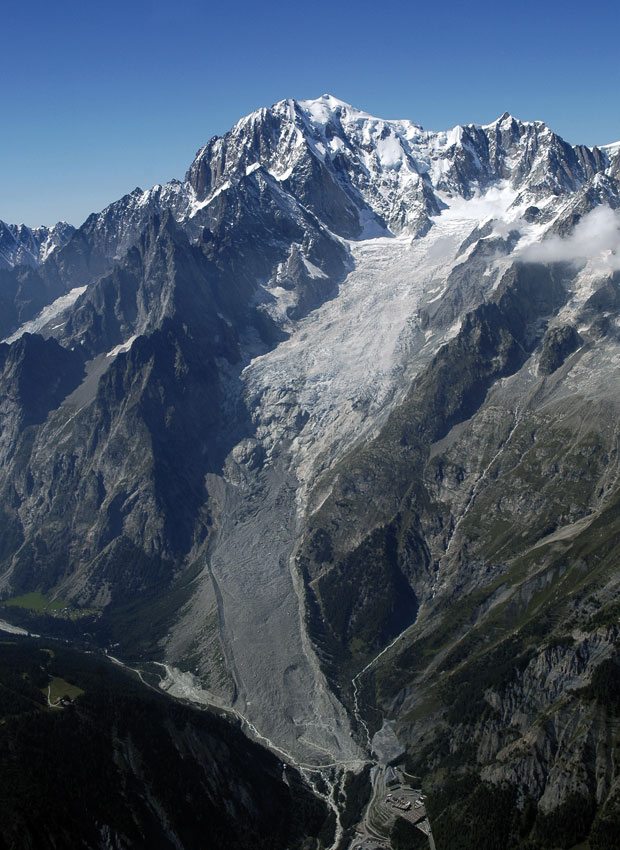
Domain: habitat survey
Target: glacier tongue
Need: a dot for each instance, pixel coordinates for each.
(332, 382)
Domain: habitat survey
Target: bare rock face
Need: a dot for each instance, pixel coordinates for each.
(557, 345)
(330, 428)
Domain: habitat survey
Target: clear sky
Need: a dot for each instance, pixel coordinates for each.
(100, 97)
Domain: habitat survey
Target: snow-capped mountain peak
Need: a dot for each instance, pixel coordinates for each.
(28, 246)
(390, 172)
(228, 343)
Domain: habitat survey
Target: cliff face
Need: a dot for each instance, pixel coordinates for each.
(531, 722)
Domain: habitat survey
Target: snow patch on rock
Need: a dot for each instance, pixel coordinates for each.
(47, 314)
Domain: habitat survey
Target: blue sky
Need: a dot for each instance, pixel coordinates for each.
(102, 97)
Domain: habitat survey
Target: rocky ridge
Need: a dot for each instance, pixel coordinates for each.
(24, 246)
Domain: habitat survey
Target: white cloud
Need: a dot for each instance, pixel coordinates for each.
(595, 237)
